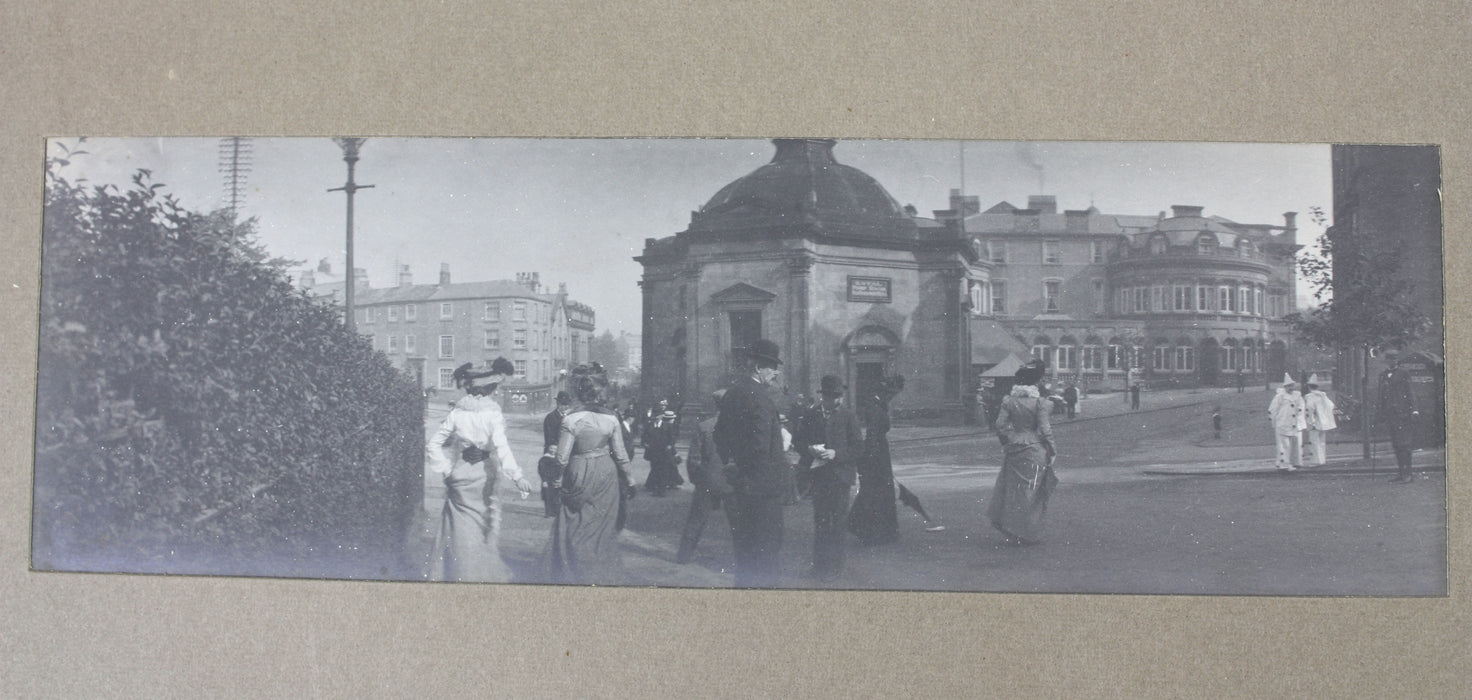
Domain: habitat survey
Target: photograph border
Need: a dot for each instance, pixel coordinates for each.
(1314, 72)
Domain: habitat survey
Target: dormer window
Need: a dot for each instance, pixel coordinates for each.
(1157, 245)
(1205, 245)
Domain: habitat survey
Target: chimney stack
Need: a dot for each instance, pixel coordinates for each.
(324, 267)
(360, 278)
(1180, 210)
(1290, 221)
(406, 278)
(444, 274)
(1044, 203)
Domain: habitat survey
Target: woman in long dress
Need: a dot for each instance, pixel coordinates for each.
(591, 451)
(1020, 497)
(460, 451)
(873, 517)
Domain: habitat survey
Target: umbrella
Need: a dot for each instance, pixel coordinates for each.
(909, 498)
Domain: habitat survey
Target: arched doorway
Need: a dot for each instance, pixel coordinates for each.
(870, 352)
(1209, 362)
(1277, 360)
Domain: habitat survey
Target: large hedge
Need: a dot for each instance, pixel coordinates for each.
(196, 413)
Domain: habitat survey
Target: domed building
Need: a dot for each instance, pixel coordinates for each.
(817, 257)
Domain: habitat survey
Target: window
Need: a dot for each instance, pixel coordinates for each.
(1224, 298)
(1114, 358)
(1052, 253)
(518, 339)
(1052, 289)
(746, 328)
(493, 339)
(999, 296)
(491, 312)
(521, 368)
(409, 345)
(1157, 246)
(1096, 251)
(1185, 359)
(393, 314)
(1205, 246)
(1183, 298)
(393, 345)
(1257, 301)
(1141, 299)
(1203, 298)
(447, 378)
(996, 251)
(1067, 357)
(1156, 303)
(447, 346)
(1100, 298)
(1090, 357)
(410, 312)
(447, 311)
(1244, 300)
(1161, 356)
(1040, 352)
(368, 315)
(518, 311)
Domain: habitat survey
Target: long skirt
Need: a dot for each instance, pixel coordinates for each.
(1020, 497)
(663, 473)
(873, 518)
(465, 547)
(584, 545)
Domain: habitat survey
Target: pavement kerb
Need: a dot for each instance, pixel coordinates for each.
(1080, 419)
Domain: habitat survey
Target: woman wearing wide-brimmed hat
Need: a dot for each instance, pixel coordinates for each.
(1020, 497)
(873, 517)
(461, 451)
(592, 455)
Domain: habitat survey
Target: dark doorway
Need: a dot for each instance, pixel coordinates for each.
(1208, 362)
(746, 327)
(867, 377)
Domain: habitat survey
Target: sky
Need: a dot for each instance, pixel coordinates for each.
(578, 210)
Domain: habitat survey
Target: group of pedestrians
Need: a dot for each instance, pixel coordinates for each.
(1297, 416)
(737, 461)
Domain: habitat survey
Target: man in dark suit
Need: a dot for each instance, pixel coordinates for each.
(829, 439)
(1398, 413)
(748, 437)
(708, 474)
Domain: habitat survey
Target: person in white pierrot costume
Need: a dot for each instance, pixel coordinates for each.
(1318, 411)
(1286, 411)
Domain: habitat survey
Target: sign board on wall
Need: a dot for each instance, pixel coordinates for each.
(872, 290)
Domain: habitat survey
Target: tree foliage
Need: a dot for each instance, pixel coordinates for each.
(194, 410)
(1362, 300)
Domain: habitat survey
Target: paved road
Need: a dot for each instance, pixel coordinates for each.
(1130, 516)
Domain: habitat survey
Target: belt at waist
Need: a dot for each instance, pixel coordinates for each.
(592, 453)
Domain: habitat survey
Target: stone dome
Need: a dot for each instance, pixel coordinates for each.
(805, 187)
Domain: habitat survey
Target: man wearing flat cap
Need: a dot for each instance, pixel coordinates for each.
(748, 437)
(829, 439)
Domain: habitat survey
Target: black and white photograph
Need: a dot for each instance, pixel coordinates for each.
(1115, 367)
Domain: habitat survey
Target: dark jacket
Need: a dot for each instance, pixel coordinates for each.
(839, 432)
(748, 436)
(703, 463)
(1397, 404)
(551, 430)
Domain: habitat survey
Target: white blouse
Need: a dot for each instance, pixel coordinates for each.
(474, 421)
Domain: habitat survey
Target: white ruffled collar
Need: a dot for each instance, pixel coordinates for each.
(1025, 391)
(475, 402)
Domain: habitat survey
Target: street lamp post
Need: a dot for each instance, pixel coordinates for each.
(350, 148)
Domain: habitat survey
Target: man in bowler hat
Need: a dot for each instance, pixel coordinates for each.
(829, 440)
(748, 438)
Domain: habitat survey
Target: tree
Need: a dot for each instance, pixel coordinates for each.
(1365, 304)
(605, 351)
(1363, 301)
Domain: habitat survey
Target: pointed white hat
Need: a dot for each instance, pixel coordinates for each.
(1288, 379)
(1312, 379)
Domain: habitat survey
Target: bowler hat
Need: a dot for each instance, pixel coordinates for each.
(763, 349)
(830, 385)
(564, 398)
